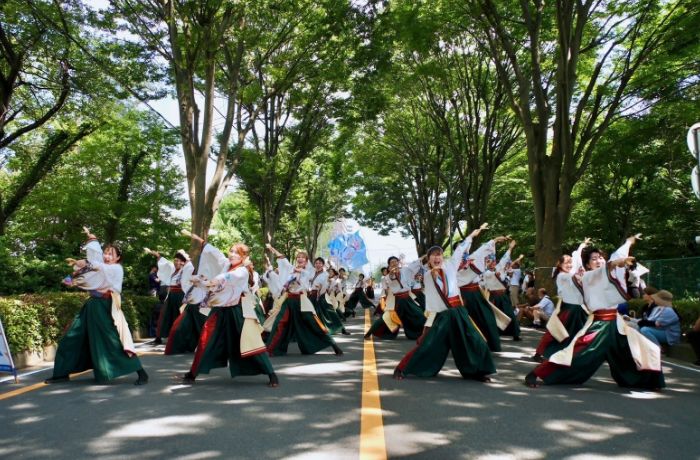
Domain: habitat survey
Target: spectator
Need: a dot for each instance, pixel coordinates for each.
(153, 281)
(694, 339)
(649, 307)
(541, 312)
(663, 326)
(514, 283)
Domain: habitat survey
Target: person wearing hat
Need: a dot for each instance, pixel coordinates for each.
(171, 310)
(448, 326)
(663, 326)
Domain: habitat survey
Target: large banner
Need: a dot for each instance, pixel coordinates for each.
(6, 364)
(349, 250)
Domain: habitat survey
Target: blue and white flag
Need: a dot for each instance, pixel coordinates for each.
(349, 249)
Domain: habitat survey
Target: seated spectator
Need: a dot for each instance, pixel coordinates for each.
(694, 339)
(540, 312)
(649, 307)
(662, 326)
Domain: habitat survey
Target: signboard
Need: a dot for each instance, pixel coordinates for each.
(6, 364)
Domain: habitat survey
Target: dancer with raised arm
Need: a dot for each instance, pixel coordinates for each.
(471, 267)
(400, 309)
(231, 334)
(297, 319)
(496, 283)
(634, 360)
(171, 309)
(99, 337)
(570, 314)
(448, 327)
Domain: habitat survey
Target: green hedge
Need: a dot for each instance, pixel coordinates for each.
(32, 321)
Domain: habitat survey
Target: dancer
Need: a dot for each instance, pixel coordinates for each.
(417, 289)
(480, 310)
(400, 308)
(317, 293)
(358, 295)
(231, 334)
(497, 285)
(297, 319)
(570, 314)
(171, 309)
(448, 326)
(634, 360)
(99, 337)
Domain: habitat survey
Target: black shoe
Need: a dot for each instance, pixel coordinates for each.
(188, 379)
(697, 363)
(517, 339)
(538, 358)
(531, 380)
(62, 379)
(274, 381)
(345, 332)
(398, 374)
(156, 341)
(337, 350)
(143, 377)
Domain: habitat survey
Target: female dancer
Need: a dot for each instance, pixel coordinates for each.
(99, 337)
(358, 295)
(232, 331)
(297, 317)
(448, 326)
(497, 285)
(634, 360)
(480, 311)
(570, 315)
(171, 310)
(184, 333)
(317, 293)
(400, 309)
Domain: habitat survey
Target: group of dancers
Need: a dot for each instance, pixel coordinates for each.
(463, 305)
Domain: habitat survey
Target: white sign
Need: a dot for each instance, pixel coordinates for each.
(694, 139)
(695, 181)
(6, 364)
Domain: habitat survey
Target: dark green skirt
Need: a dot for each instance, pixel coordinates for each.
(602, 342)
(453, 331)
(220, 344)
(573, 317)
(184, 335)
(92, 342)
(503, 303)
(293, 324)
(328, 315)
(480, 311)
(169, 313)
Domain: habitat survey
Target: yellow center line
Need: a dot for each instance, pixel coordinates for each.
(372, 442)
(36, 386)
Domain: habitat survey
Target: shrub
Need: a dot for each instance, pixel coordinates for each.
(34, 320)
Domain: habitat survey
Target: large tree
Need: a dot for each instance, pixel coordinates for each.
(37, 66)
(222, 54)
(567, 66)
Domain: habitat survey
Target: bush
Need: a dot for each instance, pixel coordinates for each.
(33, 321)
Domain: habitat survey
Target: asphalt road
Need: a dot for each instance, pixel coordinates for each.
(315, 413)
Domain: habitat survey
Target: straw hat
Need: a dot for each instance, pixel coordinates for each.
(663, 298)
